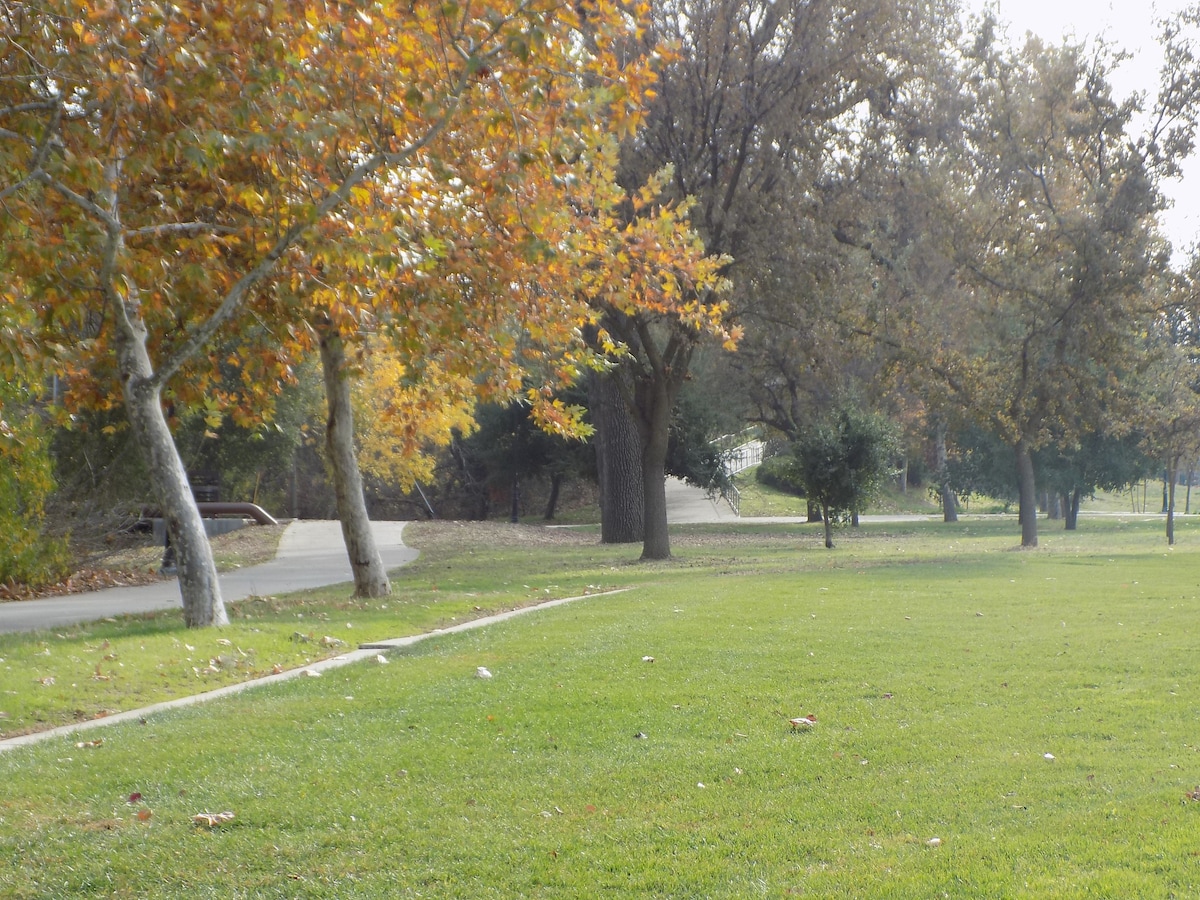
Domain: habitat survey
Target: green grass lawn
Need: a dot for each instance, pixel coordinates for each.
(1032, 711)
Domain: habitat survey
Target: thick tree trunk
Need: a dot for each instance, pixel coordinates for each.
(828, 519)
(949, 500)
(1027, 491)
(1070, 504)
(656, 400)
(552, 501)
(197, 572)
(370, 577)
(618, 463)
(813, 509)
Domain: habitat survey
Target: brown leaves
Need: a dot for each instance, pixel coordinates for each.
(80, 582)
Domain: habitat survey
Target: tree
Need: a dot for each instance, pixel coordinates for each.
(754, 115)
(654, 302)
(1168, 414)
(168, 172)
(1054, 243)
(403, 421)
(842, 460)
(1097, 461)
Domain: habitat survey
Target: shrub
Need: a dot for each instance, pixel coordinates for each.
(27, 554)
(781, 473)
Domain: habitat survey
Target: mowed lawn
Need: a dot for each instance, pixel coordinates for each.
(990, 723)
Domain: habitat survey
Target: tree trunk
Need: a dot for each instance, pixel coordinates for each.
(1070, 505)
(656, 542)
(949, 500)
(198, 584)
(370, 577)
(552, 501)
(1027, 488)
(828, 519)
(618, 463)
(1169, 486)
(813, 511)
(514, 515)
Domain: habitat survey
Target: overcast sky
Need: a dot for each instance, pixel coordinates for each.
(1129, 24)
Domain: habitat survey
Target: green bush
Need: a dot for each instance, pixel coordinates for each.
(27, 554)
(781, 473)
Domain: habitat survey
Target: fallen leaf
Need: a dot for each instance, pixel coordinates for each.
(212, 819)
(90, 744)
(144, 814)
(803, 722)
(135, 797)
(47, 681)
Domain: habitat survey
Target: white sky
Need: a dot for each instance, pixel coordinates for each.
(1131, 26)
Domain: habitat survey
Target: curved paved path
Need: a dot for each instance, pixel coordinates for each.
(311, 554)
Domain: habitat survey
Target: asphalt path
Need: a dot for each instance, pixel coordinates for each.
(311, 554)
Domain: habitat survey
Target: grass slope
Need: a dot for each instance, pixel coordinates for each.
(944, 666)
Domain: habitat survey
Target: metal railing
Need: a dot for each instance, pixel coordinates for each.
(738, 458)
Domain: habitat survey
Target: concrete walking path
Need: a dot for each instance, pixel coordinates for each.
(687, 505)
(311, 554)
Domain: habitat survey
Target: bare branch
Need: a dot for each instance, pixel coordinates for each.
(181, 228)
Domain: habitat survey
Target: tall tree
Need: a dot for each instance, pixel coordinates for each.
(1054, 208)
(169, 168)
(1064, 213)
(759, 108)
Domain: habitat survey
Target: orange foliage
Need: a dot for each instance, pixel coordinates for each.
(222, 180)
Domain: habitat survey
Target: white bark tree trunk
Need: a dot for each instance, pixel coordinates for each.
(370, 577)
(198, 583)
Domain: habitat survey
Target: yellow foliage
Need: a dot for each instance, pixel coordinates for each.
(400, 420)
